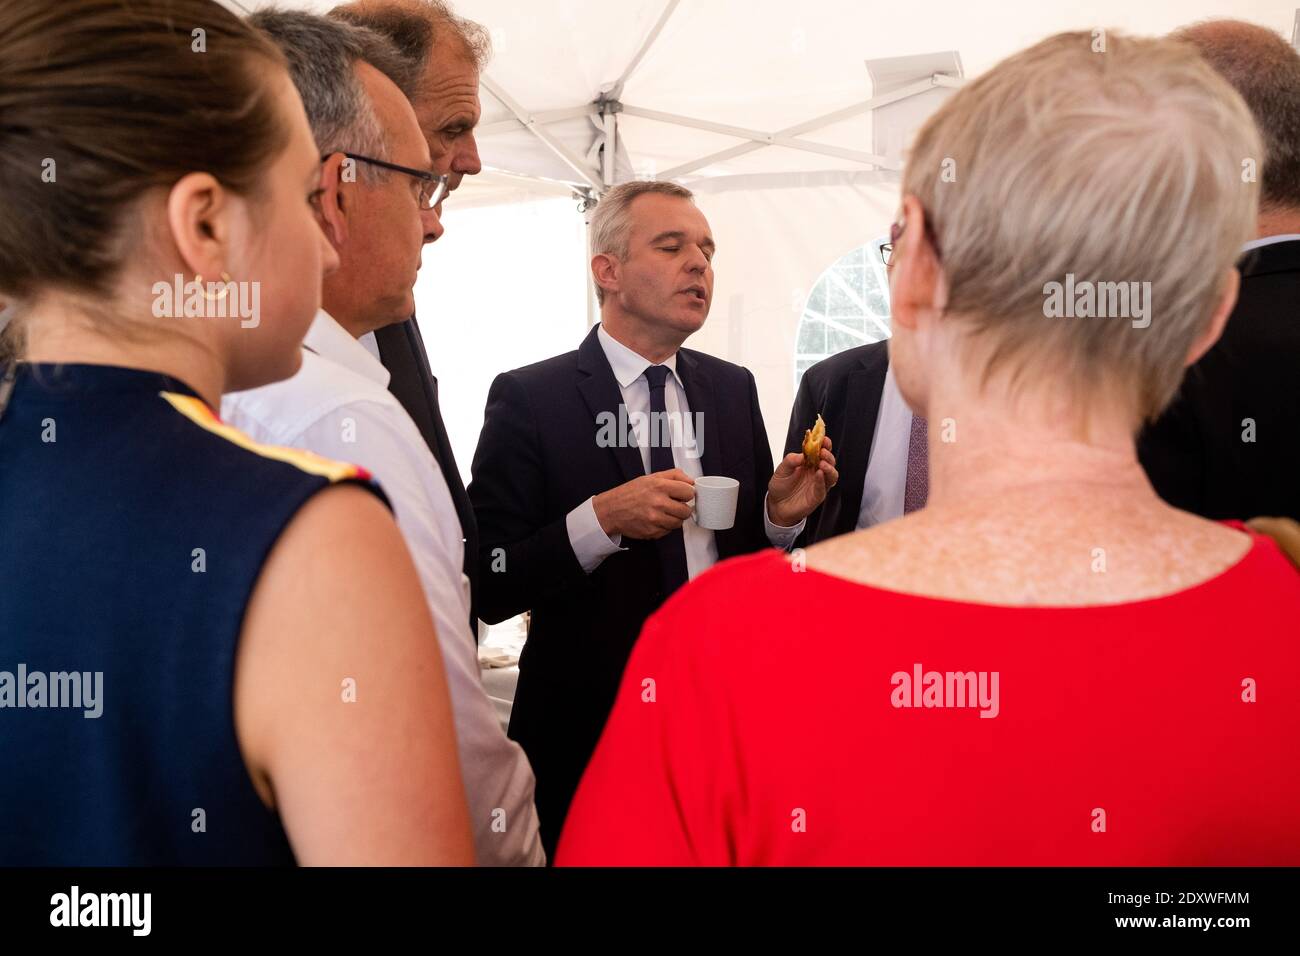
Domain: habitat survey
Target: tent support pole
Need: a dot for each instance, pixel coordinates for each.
(786, 137)
(616, 91)
(610, 152)
(542, 119)
(569, 158)
(763, 139)
(587, 280)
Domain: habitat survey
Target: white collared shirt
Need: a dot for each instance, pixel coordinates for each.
(1269, 240)
(590, 544)
(886, 480)
(338, 405)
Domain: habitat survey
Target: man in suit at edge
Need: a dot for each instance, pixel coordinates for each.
(450, 53)
(883, 456)
(592, 534)
(849, 391)
(1229, 445)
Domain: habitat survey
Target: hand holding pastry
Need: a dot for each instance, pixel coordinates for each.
(812, 443)
(796, 489)
(1284, 531)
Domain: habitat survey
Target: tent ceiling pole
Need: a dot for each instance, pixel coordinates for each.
(738, 131)
(786, 136)
(765, 139)
(569, 158)
(884, 99)
(616, 91)
(542, 119)
(839, 152)
(677, 172)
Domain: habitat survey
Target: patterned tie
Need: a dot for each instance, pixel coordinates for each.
(672, 546)
(917, 488)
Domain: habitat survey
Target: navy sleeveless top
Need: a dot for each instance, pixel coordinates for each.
(134, 527)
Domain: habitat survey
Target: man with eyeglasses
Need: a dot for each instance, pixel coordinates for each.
(880, 445)
(376, 200)
(430, 188)
(448, 54)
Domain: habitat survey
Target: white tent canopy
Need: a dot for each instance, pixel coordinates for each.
(765, 109)
(743, 70)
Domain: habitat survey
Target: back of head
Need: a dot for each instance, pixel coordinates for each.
(104, 100)
(1265, 69)
(322, 54)
(1095, 159)
(415, 26)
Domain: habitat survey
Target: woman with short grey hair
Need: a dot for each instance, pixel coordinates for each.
(1046, 664)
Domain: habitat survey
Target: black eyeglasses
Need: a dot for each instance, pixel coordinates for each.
(896, 231)
(433, 188)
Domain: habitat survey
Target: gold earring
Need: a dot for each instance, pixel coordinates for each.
(224, 292)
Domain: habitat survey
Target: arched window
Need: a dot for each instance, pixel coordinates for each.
(848, 306)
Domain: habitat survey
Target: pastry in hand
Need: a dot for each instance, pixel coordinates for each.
(1285, 532)
(812, 443)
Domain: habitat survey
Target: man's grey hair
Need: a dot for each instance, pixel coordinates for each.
(323, 54)
(415, 26)
(1265, 69)
(611, 223)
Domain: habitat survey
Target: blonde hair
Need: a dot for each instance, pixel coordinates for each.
(611, 223)
(1116, 161)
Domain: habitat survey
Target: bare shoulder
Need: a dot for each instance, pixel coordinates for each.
(343, 509)
(310, 605)
(341, 706)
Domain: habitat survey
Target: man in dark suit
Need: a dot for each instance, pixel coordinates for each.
(583, 504)
(884, 456)
(846, 390)
(401, 350)
(1229, 445)
(447, 53)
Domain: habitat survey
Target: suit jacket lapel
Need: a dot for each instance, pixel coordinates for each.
(704, 413)
(600, 391)
(714, 438)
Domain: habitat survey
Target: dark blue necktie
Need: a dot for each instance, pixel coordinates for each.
(672, 546)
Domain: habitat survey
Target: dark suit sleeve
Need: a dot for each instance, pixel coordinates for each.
(805, 411)
(762, 462)
(1172, 453)
(521, 561)
(809, 402)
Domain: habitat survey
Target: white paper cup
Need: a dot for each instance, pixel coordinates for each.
(715, 502)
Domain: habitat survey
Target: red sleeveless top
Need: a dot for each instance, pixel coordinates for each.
(771, 716)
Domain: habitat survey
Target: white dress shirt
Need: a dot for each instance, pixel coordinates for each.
(590, 543)
(1269, 240)
(886, 480)
(338, 405)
